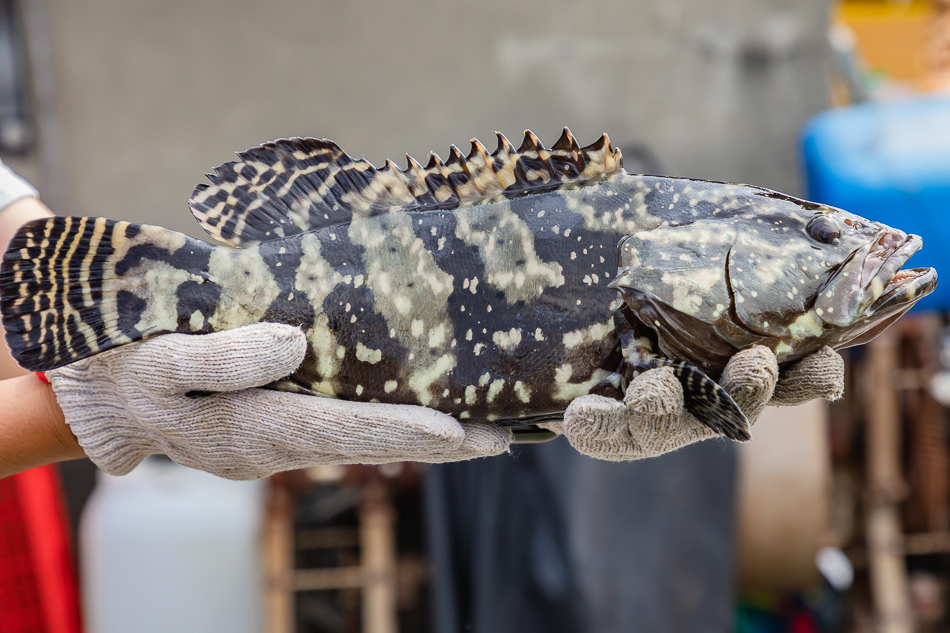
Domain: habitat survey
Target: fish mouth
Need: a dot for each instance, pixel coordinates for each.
(886, 282)
(905, 288)
(871, 284)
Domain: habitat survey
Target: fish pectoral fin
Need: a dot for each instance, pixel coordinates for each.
(707, 401)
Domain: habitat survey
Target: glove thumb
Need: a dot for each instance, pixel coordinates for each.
(250, 356)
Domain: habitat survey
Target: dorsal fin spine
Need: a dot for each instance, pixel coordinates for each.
(504, 145)
(303, 184)
(485, 178)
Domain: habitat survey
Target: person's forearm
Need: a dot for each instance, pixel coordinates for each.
(32, 428)
(12, 218)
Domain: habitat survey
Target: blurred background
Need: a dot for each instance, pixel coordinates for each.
(834, 519)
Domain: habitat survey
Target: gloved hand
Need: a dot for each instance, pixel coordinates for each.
(651, 419)
(130, 402)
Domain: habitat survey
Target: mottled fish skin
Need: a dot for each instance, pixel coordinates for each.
(434, 286)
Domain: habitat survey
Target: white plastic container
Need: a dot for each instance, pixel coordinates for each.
(167, 548)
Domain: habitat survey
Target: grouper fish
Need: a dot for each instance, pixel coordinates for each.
(494, 287)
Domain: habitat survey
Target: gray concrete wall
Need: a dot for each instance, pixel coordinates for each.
(153, 94)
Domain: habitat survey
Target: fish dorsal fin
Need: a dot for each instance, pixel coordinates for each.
(297, 185)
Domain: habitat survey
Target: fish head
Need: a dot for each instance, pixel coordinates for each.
(781, 272)
(832, 278)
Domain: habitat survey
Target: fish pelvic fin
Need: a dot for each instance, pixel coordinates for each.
(707, 401)
(71, 287)
(296, 185)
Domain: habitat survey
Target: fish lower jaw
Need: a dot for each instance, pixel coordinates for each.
(907, 285)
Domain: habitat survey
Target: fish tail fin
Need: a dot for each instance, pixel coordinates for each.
(707, 401)
(71, 287)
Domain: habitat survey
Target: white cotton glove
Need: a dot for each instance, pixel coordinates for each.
(651, 419)
(127, 403)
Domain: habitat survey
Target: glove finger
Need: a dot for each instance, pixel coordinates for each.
(819, 375)
(606, 429)
(750, 378)
(237, 359)
(655, 393)
(599, 427)
(481, 440)
(256, 432)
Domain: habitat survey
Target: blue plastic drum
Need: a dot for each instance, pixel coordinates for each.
(889, 162)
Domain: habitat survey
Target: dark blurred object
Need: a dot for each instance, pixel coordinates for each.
(550, 540)
(337, 559)
(889, 162)
(928, 597)
(928, 454)
(892, 459)
(16, 133)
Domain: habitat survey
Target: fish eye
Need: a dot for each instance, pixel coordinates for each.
(824, 229)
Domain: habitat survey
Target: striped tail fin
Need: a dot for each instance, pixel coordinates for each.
(71, 287)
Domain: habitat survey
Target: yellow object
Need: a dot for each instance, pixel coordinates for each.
(893, 37)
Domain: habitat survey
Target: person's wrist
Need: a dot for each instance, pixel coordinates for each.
(65, 443)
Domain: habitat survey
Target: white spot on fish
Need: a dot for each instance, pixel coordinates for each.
(538, 335)
(368, 355)
(495, 389)
(507, 341)
(437, 336)
(590, 334)
(390, 386)
(523, 393)
(422, 379)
